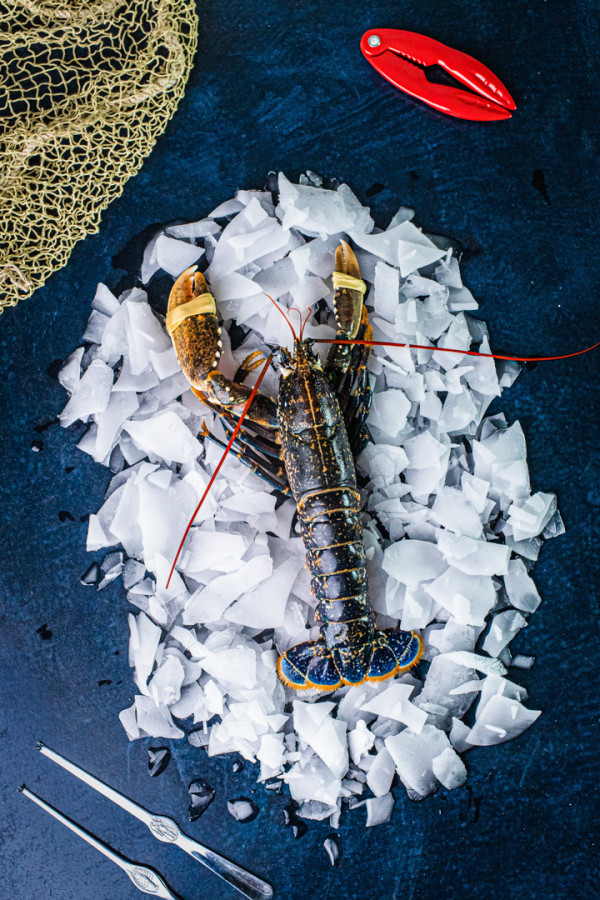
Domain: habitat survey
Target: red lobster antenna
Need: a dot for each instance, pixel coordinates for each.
(285, 316)
(253, 394)
(454, 350)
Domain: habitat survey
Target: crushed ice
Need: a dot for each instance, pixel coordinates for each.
(451, 526)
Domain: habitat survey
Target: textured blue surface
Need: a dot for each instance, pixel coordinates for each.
(282, 85)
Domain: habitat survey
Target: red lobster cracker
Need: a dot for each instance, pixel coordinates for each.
(403, 56)
(304, 444)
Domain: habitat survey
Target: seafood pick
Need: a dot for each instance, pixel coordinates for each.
(451, 527)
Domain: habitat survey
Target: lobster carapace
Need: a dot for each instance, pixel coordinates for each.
(305, 444)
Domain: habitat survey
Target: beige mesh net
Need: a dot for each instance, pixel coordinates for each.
(85, 89)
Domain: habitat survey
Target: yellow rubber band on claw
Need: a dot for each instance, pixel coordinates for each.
(203, 303)
(343, 282)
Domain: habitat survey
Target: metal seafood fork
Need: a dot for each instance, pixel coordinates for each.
(164, 829)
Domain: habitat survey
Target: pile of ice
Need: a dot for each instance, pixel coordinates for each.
(451, 525)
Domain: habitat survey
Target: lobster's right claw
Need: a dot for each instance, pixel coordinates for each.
(349, 291)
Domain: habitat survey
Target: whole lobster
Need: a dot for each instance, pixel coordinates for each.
(304, 443)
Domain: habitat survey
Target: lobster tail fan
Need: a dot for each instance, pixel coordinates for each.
(395, 651)
(308, 666)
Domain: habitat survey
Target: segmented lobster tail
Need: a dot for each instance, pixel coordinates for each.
(351, 650)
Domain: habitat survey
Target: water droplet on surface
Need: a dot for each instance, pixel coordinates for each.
(333, 848)
(37, 445)
(202, 795)
(299, 829)
(91, 575)
(158, 760)
(242, 809)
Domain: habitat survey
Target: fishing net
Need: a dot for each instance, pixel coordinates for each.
(86, 87)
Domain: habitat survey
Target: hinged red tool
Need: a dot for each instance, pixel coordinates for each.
(403, 56)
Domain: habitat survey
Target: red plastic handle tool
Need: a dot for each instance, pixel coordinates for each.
(402, 56)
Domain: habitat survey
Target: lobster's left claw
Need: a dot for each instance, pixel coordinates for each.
(194, 327)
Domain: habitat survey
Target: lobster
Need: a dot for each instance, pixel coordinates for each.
(304, 444)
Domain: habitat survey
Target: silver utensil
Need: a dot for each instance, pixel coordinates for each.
(143, 877)
(166, 830)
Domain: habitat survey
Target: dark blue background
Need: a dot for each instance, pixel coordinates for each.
(282, 85)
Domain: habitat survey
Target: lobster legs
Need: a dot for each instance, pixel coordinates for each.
(305, 444)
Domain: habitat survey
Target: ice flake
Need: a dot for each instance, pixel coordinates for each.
(452, 510)
(155, 721)
(105, 301)
(468, 598)
(439, 696)
(128, 720)
(96, 535)
(312, 780)
(523, 662)
(417, 610)
(228, 208)
(500, 460)
(164, 436)
(271, 755)
(144, 333)
(209, 603)
(381, 773)
(143, 645)
(386, 294)
(413, 562)
(520, 587)
(193, 230)
(382, 460)
(394, 703)
(233, 666)
(501, 719)
(265, 607)
(502, 630)
(165, 684)
(315, 211)
(360, 741)
(308, 291)
(70, 373)
(457, 337)
(389, 411)
(428, 462)
(449, 769)
(474, 557)
(325, 735)
(91, 393)
(475, 661)
(168, 253)
(120, 407)
(403, 246)
(379, 809)
(414, 755)
(219, 551)
(528, 518)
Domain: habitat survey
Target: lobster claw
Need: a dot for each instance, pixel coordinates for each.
(402, 56)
